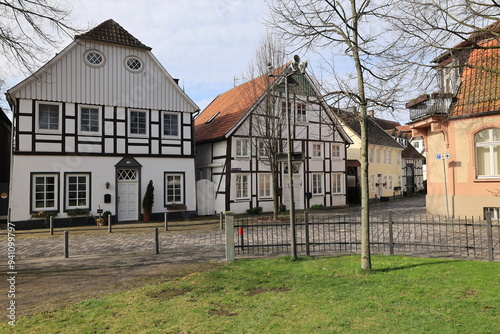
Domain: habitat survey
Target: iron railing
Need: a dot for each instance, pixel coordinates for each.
(426, 236)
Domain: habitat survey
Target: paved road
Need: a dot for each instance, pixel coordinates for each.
(186, 240)
(100, 262)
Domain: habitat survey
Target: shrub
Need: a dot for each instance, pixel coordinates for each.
(254, 211)
(317, 207)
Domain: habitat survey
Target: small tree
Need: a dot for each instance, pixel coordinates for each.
(148, 200)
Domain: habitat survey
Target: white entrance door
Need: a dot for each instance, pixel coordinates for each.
(128, 194)
(298, 193)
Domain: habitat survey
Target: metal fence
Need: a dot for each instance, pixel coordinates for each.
(426, 236)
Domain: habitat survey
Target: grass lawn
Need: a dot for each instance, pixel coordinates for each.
(311, 295)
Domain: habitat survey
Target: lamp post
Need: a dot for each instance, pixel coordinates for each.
(295, 67)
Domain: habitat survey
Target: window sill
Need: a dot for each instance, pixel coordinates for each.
(488, 179)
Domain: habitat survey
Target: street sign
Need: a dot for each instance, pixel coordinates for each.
(443, 156)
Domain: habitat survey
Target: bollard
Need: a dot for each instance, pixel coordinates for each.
(229, 236)
(51, 225)
(109, 223)
(165, 219)
(66, 244)
(157, 244)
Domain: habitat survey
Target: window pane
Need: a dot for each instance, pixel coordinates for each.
(138, 122)
(170, 124)
(483, 161)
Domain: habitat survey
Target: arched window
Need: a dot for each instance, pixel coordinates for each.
(488, 153)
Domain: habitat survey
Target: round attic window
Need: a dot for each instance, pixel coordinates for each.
(94, 58)
(133, 64)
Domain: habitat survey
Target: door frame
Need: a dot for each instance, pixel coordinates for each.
(129, 163)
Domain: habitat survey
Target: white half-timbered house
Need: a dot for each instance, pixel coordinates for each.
(94, 125)
(245, 127)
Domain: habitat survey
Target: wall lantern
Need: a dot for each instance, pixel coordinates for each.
(107, 185)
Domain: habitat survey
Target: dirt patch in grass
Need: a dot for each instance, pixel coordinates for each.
(258, 291)
(222, 311)
(45, 284)
(168, 294)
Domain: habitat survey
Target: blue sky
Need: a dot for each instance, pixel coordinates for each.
(204, 43)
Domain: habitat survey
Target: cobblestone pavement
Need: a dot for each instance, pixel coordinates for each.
(100, 262)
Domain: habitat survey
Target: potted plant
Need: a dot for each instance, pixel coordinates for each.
(147, 202)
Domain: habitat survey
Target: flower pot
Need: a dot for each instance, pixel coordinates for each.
(146, 217)
(282, 208)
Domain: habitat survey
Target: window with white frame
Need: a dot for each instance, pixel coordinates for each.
(385, 182)
(336, 151)
(77, 191)
(488, 153)
(138, 122)
(372, 182)
(263, 148)
(317, 184)
(242, 148)
(385, 156)
(317, 152)
(44, 193)
(378, 155)
(301, 113)
(49, 117)
(265, 186)
(90, 119)
(337, 183)
(398, 158)
(495, 212)
(370, 154)
(389, 157)
(242, 186)
(174, 188)
(390, 182)
(295, 168)
(171, 126)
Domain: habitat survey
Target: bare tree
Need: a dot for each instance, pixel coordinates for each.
(266, 122)
(28, 29)
(433, 29)
(356, 29)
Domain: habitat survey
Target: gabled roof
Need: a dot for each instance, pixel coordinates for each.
(475, 39)
(111, 32)
(479, 90)
(228, 108)
(376, 135)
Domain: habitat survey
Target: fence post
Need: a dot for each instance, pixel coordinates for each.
(221, 221)
(157, 243)
(489, 233)
(110, 218)
(66, 244)
(391, 235)
(306, 230)
(165, 220)
(229, 236)
(51, 225)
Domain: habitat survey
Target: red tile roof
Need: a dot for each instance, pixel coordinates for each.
(111, 32)
(480, 83)
(228, 108)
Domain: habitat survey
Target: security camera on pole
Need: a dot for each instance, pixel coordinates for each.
(295, 67)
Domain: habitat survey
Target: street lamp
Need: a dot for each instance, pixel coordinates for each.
(295, 67)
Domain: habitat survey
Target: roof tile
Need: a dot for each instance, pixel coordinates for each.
(111, 32)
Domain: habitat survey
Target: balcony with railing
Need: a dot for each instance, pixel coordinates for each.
(427, 105)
